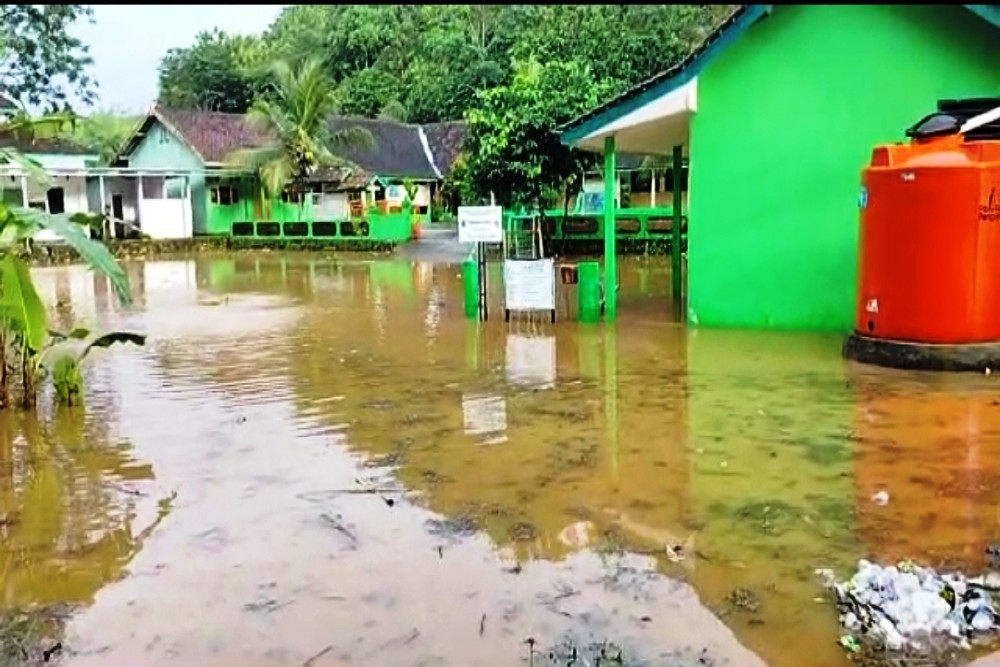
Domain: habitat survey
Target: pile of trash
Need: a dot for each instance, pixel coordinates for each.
(907, 607)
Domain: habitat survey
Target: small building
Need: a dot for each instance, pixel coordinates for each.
(64, 190)
(778, 112)
(155, 203)
(230, 201)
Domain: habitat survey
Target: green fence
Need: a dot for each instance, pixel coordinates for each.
(394, 227)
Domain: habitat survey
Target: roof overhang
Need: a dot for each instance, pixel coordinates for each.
(656, 115)
(653, 128)
(122, 172)
(650, 117)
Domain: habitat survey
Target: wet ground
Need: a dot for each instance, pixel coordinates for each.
(323, 463)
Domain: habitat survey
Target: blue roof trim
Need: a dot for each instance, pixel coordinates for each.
(989, 13)
(690, 67)
(667, 81)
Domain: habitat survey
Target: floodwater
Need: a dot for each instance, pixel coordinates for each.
(318, 462)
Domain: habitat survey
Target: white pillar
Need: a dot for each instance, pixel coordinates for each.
(138, 201)
(100, 187)
(24, 191)
(188, 214)
(493, 199)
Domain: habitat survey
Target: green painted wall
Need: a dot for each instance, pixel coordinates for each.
(787, 117)
(160, 149)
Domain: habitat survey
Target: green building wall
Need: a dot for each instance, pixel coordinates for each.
(787, 117)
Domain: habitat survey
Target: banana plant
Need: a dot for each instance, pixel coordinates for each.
(23, 317)
(62, 355)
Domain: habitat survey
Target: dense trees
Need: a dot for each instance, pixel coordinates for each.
(41, 63)
(513, 71)
(428, 62)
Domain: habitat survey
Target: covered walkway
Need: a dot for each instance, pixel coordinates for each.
(654, 118)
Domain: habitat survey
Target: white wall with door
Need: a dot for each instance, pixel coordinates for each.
(165, 207)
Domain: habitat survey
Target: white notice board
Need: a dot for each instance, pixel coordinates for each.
(480, 224)
(530, 284)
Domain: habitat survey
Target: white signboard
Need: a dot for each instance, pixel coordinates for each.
(531, 361)
(480, 224)
(530, 284)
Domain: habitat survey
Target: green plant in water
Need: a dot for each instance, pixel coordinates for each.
(23, 317)
(60, 359)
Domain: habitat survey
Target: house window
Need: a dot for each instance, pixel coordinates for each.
(57, 200)
(291, 197)
(162, 133)
(174, 188)
(224, 195)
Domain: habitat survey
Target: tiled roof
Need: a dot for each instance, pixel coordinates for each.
(212, 134)
(43, 146)
(446, 141)
(396, 148)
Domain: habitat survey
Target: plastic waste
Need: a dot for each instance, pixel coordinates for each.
(906, 606)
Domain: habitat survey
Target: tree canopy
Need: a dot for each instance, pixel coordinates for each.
(41, 63)
(514, 72)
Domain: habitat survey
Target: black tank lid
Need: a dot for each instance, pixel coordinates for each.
(954, 113)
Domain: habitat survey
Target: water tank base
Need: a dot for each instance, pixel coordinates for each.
(978, 357)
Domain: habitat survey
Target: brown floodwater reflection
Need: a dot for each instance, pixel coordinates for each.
(347, 471)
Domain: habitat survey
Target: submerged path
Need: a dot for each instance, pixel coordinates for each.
(436, 245)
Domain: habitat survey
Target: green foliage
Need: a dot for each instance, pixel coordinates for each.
(219, 72)
(41, 63)
(103, 132)
(21, 309)
(428, 63)
(513, 149)
(19, 224)
(62, 356)
(295, 114)
(515, 72)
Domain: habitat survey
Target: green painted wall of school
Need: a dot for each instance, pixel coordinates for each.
(787, 118)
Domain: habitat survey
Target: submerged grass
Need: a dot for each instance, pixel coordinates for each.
(30, 636)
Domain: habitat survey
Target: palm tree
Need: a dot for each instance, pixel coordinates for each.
(295, 116)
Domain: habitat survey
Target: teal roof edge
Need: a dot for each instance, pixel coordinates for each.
(686, 70)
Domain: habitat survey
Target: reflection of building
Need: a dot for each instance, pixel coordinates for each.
(933, 449)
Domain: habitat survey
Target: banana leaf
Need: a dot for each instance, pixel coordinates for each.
(21, 308)
(95, 254)
(75, 349)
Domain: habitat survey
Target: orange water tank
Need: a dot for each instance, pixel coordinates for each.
(930, 236)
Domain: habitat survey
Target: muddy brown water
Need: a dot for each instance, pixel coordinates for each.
(320, 462)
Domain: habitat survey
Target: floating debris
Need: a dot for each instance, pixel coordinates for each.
(907, 607)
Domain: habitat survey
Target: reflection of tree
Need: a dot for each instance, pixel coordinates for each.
(67, 526)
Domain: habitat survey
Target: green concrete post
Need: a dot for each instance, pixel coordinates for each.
(470, 287)
(610, 251)
(675, 253)
(589, 291)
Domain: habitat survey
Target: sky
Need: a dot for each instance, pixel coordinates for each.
(128, 41)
